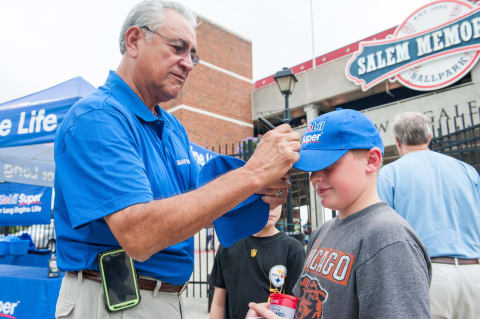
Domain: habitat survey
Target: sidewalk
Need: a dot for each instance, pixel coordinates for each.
(196, 308)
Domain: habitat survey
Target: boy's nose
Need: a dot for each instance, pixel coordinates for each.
(316, 176)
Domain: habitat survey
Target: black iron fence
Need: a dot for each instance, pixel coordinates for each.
(458, 141)
(43, 236)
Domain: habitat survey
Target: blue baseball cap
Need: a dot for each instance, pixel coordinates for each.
(332, 135)
(245, 219)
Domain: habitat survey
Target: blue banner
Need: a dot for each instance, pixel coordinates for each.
(23, 169)
(22, 204)
(202, 155)
(33, 124)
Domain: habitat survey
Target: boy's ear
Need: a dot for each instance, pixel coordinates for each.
(374, 160)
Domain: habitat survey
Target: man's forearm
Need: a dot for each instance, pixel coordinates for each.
(145, 229)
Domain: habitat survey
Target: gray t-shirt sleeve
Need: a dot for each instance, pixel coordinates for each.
(394, 283)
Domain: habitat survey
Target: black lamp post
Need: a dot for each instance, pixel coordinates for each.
(286, 83)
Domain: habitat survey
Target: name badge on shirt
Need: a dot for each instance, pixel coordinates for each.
(184, 161)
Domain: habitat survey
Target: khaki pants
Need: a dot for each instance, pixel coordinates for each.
(81, 299)
(455, 291)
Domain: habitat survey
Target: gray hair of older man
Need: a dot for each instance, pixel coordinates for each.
(412, 128)
(151, 14)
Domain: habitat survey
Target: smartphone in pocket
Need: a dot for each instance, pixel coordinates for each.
(119, 280)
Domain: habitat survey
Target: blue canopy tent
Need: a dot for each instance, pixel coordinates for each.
(27, 128)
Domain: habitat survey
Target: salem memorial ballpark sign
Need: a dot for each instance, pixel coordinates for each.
(434, 47)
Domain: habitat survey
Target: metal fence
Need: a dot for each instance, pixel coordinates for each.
(458, 141)
(43, 236)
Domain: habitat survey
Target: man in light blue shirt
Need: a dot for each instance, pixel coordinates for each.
(440, 197)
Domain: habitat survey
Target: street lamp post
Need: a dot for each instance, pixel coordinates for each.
(286, 83)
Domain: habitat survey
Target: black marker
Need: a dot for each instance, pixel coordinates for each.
(266, 123)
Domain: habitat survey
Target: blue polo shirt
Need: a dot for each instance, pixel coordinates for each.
(111, 152)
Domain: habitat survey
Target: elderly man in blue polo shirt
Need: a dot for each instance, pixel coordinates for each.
(125, 176)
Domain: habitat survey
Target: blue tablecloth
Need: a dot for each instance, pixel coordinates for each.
(30, 259)
(27, 292)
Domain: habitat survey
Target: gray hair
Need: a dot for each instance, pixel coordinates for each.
(412, 128)
(151, 14)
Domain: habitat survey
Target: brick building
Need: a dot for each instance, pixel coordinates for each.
(215, 105)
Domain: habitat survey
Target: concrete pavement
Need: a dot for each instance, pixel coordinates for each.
(195, 308)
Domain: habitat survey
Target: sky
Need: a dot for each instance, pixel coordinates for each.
(47, 42)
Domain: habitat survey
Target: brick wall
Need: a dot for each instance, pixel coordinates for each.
(218, 133)
(215, 92)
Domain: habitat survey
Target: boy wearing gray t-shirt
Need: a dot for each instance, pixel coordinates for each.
(367, 262)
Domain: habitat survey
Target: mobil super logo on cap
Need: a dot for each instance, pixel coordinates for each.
(314, 131)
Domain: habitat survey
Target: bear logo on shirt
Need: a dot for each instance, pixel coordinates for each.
(312, 297)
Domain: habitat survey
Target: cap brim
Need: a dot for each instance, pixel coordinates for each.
(245, 219)
(312, 160)
(242, 221)
(216, 167)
